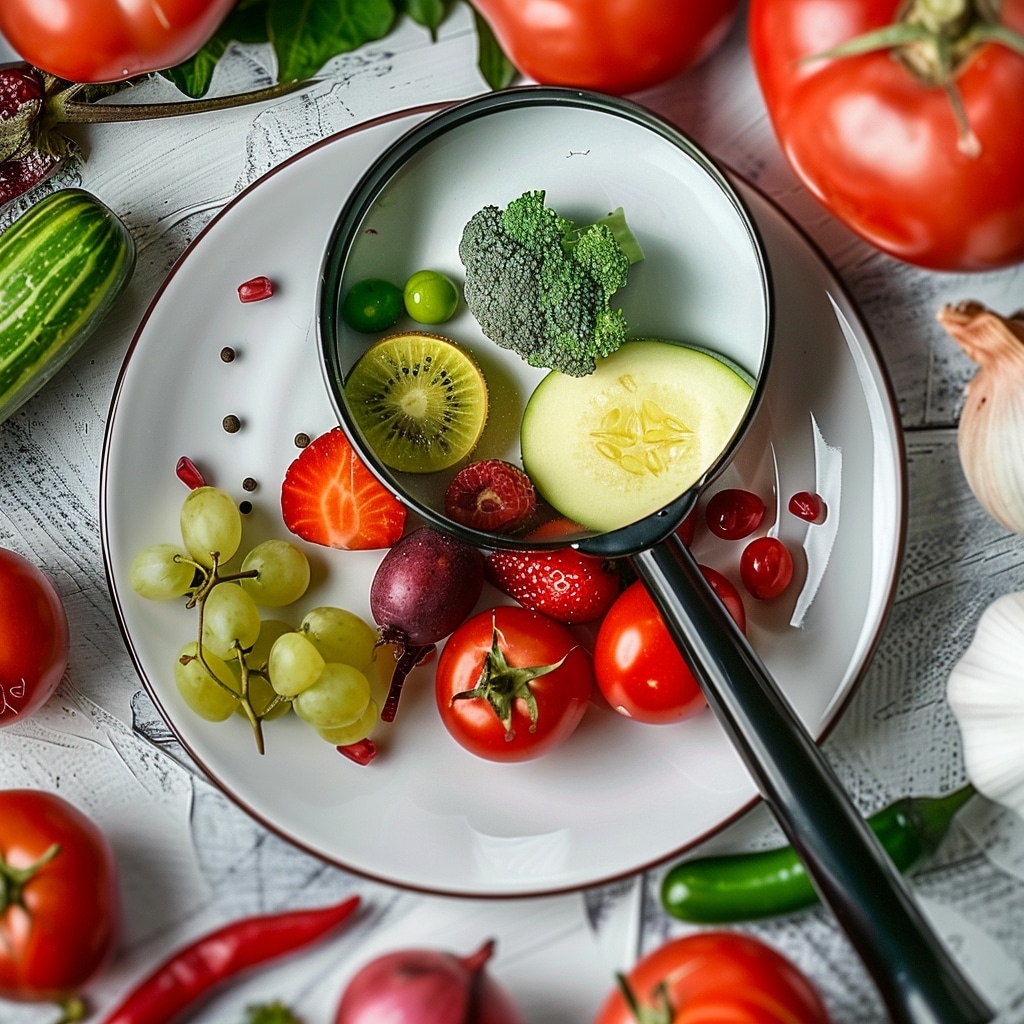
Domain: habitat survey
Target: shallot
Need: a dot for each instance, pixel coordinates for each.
(427, 986)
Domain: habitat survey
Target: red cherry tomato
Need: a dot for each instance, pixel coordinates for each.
(108, 40)
(35, 640)
(734, 513)
(766, 568)
(881, 147)
(717, 978)
(59, 930)
(614, 47)
(489, 706)
(637, 664)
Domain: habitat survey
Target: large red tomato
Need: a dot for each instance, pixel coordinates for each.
(34, 628)
(512, 684)
(637, 664)
(882, 146)
(59, 904)
(615, 47)
(718, 978)
(108, 40)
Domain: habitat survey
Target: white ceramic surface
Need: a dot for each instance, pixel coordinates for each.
(426, 815)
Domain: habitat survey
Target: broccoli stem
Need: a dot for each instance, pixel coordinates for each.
(616, 223)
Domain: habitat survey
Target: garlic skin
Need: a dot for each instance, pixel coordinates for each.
(991, 430)
(985, 691)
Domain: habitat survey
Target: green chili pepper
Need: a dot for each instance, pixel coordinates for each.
(741, 887)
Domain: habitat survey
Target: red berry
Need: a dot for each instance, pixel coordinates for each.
(734, 513)
(808, 505)
(565, 585)
(766, 567)
(490, 495)
(255, 289)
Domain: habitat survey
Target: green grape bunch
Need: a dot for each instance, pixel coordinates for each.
(241, 663)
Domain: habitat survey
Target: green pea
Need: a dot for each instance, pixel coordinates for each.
(372, 305)
(430, 297)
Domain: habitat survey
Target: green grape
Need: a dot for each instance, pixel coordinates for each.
(203, 694)
(161, 572)
(294, 665)
(430, 297)
(230, 615)
(343, 735)
(270, 629)
(283, 573)
(337, 698)
(340, 635)
(261, 696)
(210, 521)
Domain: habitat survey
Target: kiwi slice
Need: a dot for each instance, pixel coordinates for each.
(419, 400)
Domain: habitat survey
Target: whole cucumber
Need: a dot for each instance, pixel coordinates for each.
(62, 266)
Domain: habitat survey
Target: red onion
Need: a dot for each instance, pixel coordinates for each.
(426, 986)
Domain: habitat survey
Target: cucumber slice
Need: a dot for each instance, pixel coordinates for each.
(614, 446)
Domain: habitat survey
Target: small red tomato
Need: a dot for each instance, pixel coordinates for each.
(766, 568)
(637, 664)
(716, 978)
(35, 640)
(59, 905)
(734, 513)
(512, 684)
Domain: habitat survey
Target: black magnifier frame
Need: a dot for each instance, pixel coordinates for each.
(916, 976)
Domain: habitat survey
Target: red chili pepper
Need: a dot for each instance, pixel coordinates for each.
(194, 971)
(255, 289)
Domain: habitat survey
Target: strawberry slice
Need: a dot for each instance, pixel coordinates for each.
(490, 495)
(329, 497)
(565, 585)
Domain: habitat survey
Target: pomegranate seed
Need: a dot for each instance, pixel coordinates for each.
(255, 289)
(187, 472)
(808, 505)
(362, 752)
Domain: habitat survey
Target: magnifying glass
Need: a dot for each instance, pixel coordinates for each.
(706, 282)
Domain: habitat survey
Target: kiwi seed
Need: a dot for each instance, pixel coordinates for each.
(420, 401)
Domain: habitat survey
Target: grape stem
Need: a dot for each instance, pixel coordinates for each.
(211, 577)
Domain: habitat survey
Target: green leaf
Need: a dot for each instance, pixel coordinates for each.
(247, 23)
(428, 13)
(497, 70)
(306, 34)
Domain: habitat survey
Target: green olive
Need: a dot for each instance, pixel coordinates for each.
(430, 297)
(372, 305)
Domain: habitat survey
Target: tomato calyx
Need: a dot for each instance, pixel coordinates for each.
(13, 880)
(934, 39)
(659, 1011)
(501, 684)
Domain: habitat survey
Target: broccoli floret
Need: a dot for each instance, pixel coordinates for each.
(540, 285)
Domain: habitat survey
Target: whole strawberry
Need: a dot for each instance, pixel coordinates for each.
(565, 584)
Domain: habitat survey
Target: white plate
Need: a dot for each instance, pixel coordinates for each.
(618, 797)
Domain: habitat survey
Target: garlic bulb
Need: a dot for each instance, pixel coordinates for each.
(986, 693)
(991, 430)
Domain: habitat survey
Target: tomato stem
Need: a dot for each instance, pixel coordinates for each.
(13, 880)
(72, 1009)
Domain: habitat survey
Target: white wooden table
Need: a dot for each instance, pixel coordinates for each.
(190, 860)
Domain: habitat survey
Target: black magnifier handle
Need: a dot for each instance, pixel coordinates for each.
(917, 978)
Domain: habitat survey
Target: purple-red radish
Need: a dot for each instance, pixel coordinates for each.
(426, 986)
(424, 588)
